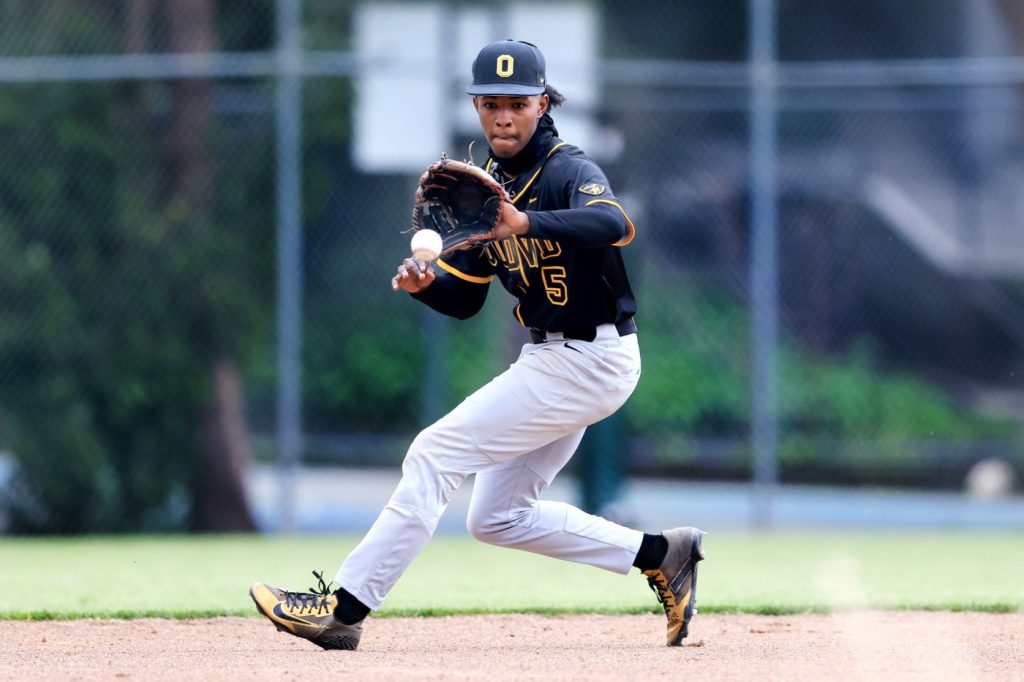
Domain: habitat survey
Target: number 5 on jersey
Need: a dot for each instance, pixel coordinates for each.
(555, 287)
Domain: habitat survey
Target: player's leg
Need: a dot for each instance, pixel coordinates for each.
(505, 510)
(437, 462)
(552, 391)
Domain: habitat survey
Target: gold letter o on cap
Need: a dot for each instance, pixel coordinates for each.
(505, 65)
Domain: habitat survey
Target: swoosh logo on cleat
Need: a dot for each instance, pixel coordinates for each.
(279, 611)
(676, 583)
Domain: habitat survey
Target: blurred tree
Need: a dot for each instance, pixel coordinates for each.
(129, 293)
(218, 491)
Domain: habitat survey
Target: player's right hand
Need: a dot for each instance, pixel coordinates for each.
(413, 276)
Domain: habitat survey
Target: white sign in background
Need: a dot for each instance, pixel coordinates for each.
(417, 63)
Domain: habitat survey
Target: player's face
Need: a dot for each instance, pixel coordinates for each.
(509, 122)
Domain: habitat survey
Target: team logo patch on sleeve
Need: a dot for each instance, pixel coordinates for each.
(592, 188)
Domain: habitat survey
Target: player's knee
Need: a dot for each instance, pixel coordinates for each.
(417, 464)
(479, 526)
(425, 471)
(485, 529)
(426, 454)
(496, 528)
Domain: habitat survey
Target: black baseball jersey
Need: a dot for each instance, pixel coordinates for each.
(567, 271)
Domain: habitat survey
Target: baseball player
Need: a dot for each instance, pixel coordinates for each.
(558, 253)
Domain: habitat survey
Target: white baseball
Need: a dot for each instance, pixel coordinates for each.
(426, 245)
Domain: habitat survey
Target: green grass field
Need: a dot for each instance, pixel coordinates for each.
(181, 576)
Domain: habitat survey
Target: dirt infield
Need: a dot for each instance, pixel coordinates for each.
(846, 646)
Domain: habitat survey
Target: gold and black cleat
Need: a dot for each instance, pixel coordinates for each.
(309, 615)
(675, 581)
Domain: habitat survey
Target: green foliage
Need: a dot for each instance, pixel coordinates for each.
(366, 378)
(117, 302)
(694, 366)
(364, 343)
(483, 346)
(696, 380)
(28, 29)
(328, 24)
(850, 394)
(122, 284)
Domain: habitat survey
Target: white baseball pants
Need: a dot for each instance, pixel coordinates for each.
(516, 433)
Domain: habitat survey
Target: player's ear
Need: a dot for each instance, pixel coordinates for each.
(476, 102)
(545, 103)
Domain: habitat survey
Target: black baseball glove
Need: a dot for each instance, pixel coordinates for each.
(460, 201)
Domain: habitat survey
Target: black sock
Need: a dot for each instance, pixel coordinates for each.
(652, 552)
(349, 609)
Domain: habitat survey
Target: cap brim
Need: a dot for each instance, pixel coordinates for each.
(505, 89)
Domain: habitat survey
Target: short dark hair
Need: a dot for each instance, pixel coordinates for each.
(555, 98)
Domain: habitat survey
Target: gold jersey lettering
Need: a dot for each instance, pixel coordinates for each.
(548, 248)
(507, 253)
(527, 249)
(555, 285)
(522, 254)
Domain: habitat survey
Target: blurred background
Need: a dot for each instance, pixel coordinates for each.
(202, 203)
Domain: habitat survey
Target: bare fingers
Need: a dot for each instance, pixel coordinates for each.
(411, 275)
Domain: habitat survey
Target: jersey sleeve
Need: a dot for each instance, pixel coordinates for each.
(461, 285)
(593, 215)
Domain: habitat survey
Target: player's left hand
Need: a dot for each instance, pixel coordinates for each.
(511, 221)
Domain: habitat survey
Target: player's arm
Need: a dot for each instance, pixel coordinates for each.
(447, 289)
(599, 224)
(593, 217)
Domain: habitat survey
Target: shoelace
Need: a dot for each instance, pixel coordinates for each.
(316, 598)
(660, 589)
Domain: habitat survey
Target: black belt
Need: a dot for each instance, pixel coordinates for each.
(625, 328)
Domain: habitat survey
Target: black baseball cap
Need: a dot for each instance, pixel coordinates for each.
(508, 67)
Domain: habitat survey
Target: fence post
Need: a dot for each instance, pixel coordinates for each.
(289, 252)
(764, 257)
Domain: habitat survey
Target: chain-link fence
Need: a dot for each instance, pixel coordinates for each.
(202, 203)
